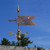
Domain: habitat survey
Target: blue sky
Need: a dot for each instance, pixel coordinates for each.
(40, 33)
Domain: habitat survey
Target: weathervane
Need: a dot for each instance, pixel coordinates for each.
(22, 20)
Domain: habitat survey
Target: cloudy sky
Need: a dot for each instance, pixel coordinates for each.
(40, 33)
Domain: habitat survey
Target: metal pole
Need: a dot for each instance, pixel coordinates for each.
(18, 14)
(18, 42)
(18, 23)
(18, 27)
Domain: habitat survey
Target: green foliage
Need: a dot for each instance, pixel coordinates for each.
(39, 48)
(5, 42)
(24, 41)
(34, 45)
(13, 43)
